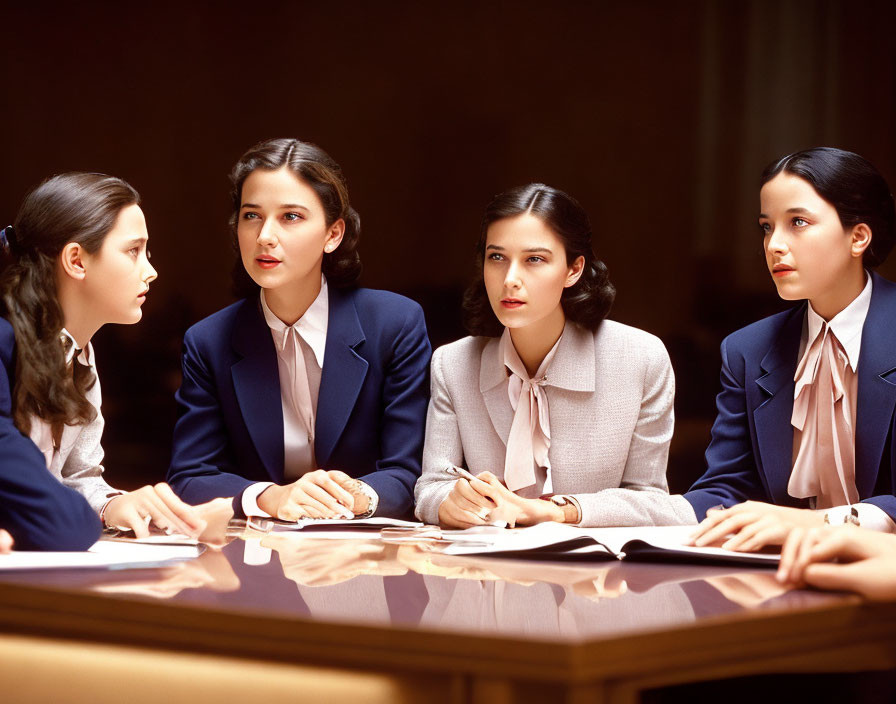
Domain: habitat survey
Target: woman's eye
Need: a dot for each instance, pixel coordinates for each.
(291, 217)
(765, 228)
(495, 257)
(250, 216)
(799, 222)
(535, 260)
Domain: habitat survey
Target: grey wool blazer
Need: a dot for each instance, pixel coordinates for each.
(610, 396)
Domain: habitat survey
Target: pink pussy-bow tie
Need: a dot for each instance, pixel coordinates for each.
(825, 466)
(530, 433)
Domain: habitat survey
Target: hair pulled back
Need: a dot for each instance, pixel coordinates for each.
(853, 186)
(70, 207)
(588, 301)
(314, 167)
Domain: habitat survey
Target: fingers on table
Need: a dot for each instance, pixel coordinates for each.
(829, 575)
(765, 530)
(720, 524)
(187, 514)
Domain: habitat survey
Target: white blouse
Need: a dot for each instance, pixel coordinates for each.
(77, 461)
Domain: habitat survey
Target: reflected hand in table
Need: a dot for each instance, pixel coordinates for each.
(211, 570)
(595, 582)
(321, 562)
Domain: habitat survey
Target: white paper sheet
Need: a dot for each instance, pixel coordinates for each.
(342, 523)
(103, 554)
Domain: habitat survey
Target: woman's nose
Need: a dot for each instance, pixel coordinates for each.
(512, 277)
(266, 234)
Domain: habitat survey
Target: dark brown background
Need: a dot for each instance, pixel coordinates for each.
(657, 116)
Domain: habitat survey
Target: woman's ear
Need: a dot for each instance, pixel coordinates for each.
(334, 236)
(861, 239)
(575, 272)
(71, 259)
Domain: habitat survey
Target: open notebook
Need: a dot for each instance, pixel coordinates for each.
(560, 542)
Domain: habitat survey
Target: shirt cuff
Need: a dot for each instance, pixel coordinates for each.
(249, 499)
(870, 516)
(109, 497)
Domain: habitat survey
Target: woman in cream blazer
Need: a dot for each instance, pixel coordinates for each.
(589, 400)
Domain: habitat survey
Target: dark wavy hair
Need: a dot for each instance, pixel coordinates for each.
(587, 302)
(71, 207)
(853, 186)
(313, 166)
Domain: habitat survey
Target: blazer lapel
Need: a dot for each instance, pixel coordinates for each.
(342, 375)
(494, 393)
(256, 380)
(572, 369)
(573, 366)
(877, 384)
(774, 433)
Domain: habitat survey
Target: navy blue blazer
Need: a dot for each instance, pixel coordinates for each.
(371, 409)
(36, 508)
(750, 454)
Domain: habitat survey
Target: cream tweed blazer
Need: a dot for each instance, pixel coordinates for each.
(610, 396)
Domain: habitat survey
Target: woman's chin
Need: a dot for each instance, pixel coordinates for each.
(790, 293)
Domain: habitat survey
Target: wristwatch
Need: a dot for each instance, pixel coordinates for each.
(572, 512)
(373, 499)
(842, 514)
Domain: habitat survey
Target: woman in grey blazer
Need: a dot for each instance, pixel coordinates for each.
(558, 413)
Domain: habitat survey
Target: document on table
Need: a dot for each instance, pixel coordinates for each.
(558, 541)
(368, 525)
(105, 554)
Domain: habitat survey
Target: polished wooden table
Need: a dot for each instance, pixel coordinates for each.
(363, 620)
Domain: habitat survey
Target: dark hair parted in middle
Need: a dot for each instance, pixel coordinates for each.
(588, 301)
(314, 167)
(853, 186)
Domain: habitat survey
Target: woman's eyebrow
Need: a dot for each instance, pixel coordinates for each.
(282, 207)
(798, 211)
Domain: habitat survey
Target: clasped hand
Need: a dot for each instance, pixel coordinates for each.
(317, 494)
(485, 499)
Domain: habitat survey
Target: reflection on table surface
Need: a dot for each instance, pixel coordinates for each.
(368, 581)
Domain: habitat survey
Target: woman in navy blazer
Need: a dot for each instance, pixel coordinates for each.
(39, 512)
(827, 217)
(292, 222)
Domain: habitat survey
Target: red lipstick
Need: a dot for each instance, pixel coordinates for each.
(266, 261)
(511, 303)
